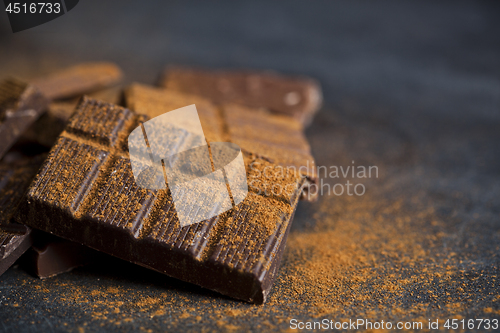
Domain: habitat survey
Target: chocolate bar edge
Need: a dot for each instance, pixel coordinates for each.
(248, 288)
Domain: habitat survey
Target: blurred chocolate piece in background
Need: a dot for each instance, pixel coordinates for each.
(78, 79)
(21, 104)
(298, 97)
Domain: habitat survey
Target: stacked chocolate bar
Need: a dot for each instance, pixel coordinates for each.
(85, 190)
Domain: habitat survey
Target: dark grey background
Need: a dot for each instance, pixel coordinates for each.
(412, 87)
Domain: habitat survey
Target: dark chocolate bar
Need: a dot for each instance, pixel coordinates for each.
(15, 238)
(78, 79)
(20, 105)
(297, 97)
(86, 192)
(276, 138)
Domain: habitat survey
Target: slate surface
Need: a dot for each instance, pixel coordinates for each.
(413, 88)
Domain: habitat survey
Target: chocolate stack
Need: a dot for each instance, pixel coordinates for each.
(84, 191)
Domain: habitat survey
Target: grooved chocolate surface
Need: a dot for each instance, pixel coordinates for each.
(86, 192)
(241, 242)
(68, 173)
(118, 200)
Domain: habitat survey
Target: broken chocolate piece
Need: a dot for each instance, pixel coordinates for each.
(20, 105)
(277, 138)
(13, 243)
(15, 238)
(50, 256)
(299, 98)
(85, 192)
(79, 79)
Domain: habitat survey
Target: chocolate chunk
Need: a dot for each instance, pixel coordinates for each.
(15, 238)
(297, 97)
(50, 256)
(276, 138)
(86, 192)
(20, 105)
(79, 79)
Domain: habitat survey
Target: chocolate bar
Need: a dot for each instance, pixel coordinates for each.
(15, 238)
(276, 138)
(297, 97)
(78, 79)
(50, 256)
(86, 192)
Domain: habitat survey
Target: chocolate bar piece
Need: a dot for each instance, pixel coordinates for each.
(276, 138)
(297, 97)
(20, 105)
(78, 79)
(15, 238)
(86, 192)
(50, 256)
